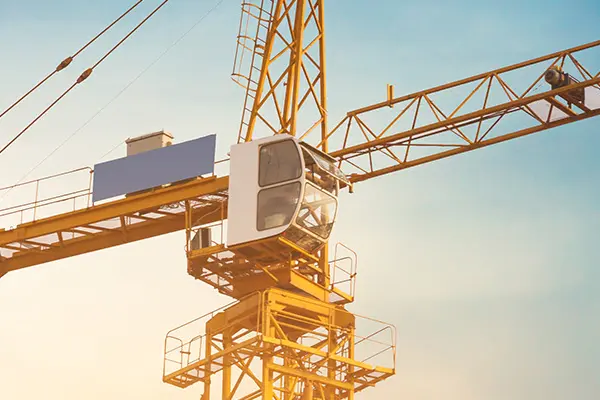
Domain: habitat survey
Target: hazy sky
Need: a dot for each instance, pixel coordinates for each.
(487, 263)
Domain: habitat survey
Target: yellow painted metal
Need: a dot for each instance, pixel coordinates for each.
(240, 270)
(289, 96)
(289, 340)
(82, 231)
(419, 131)
(111, 224)
(276, 267)
(288, 336)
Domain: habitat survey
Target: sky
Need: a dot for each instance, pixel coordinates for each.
(487, 262)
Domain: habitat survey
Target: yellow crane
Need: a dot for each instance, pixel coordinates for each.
(261, 234)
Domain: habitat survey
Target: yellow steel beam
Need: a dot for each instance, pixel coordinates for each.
(104, 240)
(377, 144)
(310, 377)
(108, 211)
(468, 118)
(290, 95)
(126, 206)
(476, 78)
(268, 326)
(412, 137)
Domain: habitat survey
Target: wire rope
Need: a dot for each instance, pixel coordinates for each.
(85, 75)
(67, 61)
(119, 94)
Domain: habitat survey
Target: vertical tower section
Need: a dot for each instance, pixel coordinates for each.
(277, 345)
(289, 336)
(280, 63)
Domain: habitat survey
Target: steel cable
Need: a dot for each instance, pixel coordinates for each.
(67, 61)
(171, 46)
(86, 74)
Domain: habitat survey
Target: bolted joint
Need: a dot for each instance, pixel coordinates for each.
(64, 64)
(85, 75)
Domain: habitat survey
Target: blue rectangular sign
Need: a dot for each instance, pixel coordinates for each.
(154, 168)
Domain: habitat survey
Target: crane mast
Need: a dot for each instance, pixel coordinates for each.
(280, 63)
(289, 336)
(261, 235)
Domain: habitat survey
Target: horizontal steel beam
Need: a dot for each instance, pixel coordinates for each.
(467, 148)
(473, 116)
(108, 211)
(475, 78)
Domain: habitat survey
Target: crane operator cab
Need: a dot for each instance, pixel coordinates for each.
(283, 189)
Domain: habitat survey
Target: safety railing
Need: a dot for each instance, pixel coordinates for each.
(55, 194)
(364, 348)
(208, 235)
(50, 195)
(186, 344)
(343, 271)
(211, 236)
(255, 21)
(375, 342)
(255, 24)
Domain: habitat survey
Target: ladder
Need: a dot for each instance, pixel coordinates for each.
(255, 23)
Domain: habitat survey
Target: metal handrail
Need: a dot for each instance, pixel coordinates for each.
(38, 203)
(47, 178)
(42, 202)
(183, 344)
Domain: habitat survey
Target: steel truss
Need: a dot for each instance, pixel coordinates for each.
(279, 345)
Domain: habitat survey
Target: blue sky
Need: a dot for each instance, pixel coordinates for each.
(486, 262)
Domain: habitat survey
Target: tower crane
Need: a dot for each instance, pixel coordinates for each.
(260, 234)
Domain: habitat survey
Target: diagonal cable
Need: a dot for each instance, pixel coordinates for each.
(86, 74)
(119, 94)
(67, 61)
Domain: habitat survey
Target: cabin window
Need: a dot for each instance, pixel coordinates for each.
(277, 205)
(279, 162)
(317, 212)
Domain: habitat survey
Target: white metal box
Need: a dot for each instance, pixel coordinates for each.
(151, 141)
(247, 196)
